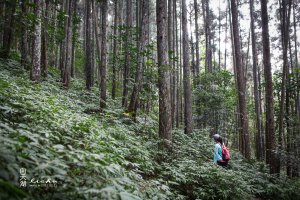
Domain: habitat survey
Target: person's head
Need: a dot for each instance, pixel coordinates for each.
(217, 138)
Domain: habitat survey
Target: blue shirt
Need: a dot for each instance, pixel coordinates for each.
(217, 153)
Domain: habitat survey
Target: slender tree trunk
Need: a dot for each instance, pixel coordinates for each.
(270, 131)
(188, 120)
(165, 122)
(226, 38)
(10, 7)
(177, 67)
(44, 56)
(113, 90)
(244, 132)
(36, 55)
(197, 38)
(206, 18)
(171, 55)
(88, 46)
(68, 45)
(258, 136)
(180, 69)
(97, 36)
(285, 15)
(63, 47)
(143, 38)
(2, 13)
(74, 42)
(24, 38)
(289, 125)
(295, 167)
(104, 8)
(127, 52)
(219, 56)
(193, 63)
(263, 152)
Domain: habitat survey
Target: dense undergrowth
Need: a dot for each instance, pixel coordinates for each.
(58, 134)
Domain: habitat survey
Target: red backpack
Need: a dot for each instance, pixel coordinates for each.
(225, 153)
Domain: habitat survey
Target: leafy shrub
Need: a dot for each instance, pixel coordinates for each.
(58, 133)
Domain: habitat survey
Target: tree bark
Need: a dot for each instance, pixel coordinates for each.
(258, 137)
(244, 132)
(10, 7)
(165, 122)
(295, 168)
(188, 112)
(197, 39)
(270, 130)
(74, 43)
(24, 38)
(177, 67)
(114, 75)
(143, 38)
(44, 56)
(127, 52)
(104, 8)
(285, 24)
(36, 55)
(68, 45)
(88, 45)
(171, 56)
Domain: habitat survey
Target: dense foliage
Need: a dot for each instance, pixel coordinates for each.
(58, 133)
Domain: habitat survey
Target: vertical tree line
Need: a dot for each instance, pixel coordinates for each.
(172, 58)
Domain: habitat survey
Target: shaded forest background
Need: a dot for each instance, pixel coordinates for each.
(168, 72)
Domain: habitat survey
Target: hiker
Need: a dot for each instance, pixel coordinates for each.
(218, 155)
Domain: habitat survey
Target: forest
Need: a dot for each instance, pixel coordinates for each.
(121, 99)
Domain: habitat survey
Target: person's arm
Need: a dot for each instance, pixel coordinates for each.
(217, 156)
(219, 152)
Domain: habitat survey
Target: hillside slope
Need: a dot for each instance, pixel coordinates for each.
(58, 135)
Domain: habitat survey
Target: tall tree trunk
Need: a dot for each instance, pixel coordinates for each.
(289, 125)
(63, 47)
(258, 137)
(104, 8)
(241, 87)
(219, 56)
(285, 24)
(177, 67)
(188, 120)
(127, 51)
(206, 18)
(24, 38)
(2, 13)
(44, 56)
(96, 12)
(88, 46)
(165, 122)
(143, 38)
(171, 56)
(10, 7)
(114, 75)
(74, 42)
(180, 68)
(193, 63)
(36, 53)
(270, 130)
(197, 38)
(68, 45)
(237, 116)
(295, 168)
(226, 37)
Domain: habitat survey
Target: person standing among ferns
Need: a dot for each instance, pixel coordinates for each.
(218, 159)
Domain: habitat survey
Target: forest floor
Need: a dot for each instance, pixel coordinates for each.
(56, 135)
